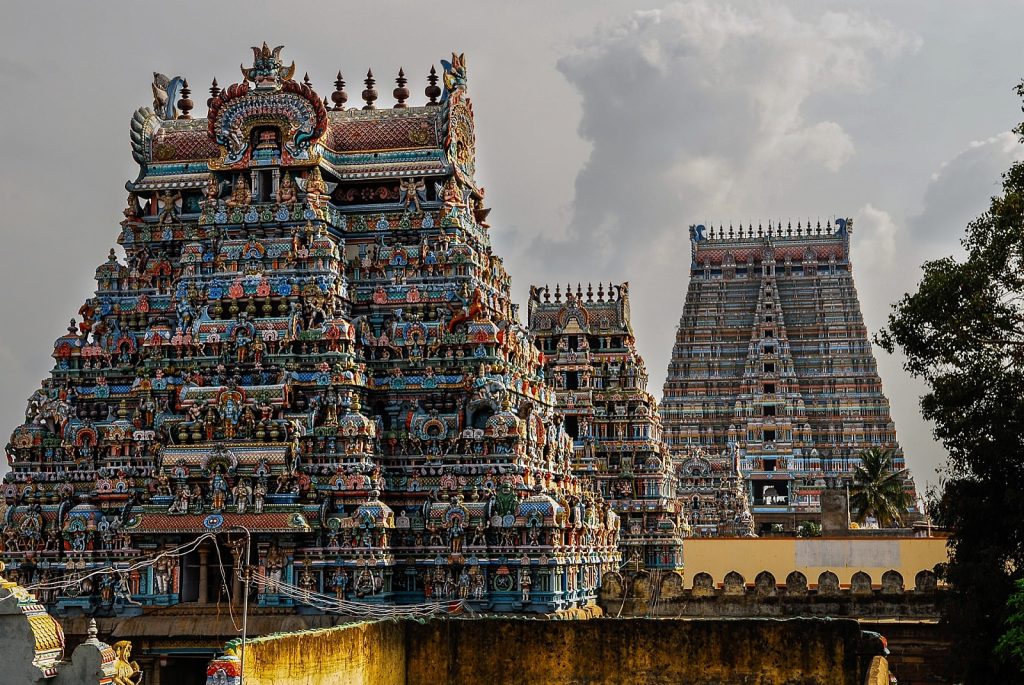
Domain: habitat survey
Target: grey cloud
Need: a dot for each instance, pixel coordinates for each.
(959, 191)
(697, 110)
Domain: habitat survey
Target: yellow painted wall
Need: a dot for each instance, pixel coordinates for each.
(358, 654)
(812, 556)
(601, 651)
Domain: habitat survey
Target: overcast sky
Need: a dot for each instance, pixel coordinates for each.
(604, 129)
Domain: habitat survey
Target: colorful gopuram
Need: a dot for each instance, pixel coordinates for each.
(600, 384)
(306, 364)
(712, 494)
(772, 367)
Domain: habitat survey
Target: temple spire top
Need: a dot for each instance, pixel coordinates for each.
(401, 93)
(185, 104)
(432, 91)
(370, 93)
(214, 92)
(339, 96)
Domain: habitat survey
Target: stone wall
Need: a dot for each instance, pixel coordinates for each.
(596, 652)
(665, 594)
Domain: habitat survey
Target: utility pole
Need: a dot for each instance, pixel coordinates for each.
(244, 571)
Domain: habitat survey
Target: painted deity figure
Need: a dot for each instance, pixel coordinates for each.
(168, 206)
(525, 583)
(241, 196)
(218, 490)
(287, 193)
(456, 535)
(212, 192)
(180, 503)
(243, 495)
(340, 581)
(275, 562)
(197, 499)
(413, 190)
(478, 585)
(259, 494)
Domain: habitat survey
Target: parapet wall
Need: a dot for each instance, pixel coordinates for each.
(844, 556)
(596, 652)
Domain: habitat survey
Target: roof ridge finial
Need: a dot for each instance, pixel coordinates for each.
(432, 91)
(185, 104)
(214, 93)
(370, 93)
(306, 82)
(401, 93)
(339, 96)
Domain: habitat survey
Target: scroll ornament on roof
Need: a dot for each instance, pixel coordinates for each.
(461, 139)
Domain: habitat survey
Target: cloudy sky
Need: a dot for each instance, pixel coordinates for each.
(604, 130)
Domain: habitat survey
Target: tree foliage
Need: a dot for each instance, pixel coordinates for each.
(963, 333)
(878, 489)
(1011, 644)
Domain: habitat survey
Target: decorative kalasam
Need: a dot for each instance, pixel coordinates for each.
(309, 337)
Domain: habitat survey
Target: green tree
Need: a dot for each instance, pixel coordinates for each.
(1011, 644)
(963, 333)
(809, 529)
(878, 489)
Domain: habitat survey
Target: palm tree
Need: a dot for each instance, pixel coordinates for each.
(878, 489)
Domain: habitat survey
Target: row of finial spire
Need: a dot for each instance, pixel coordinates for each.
(774, 230)
(602, 296)
(339, 97)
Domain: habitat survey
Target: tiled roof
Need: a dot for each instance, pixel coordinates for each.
(267, 522)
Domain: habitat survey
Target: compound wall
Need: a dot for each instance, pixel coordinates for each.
(597, 652)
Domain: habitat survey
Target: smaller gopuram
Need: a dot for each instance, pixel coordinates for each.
(600, 384)
(713, 495)
(772, 363)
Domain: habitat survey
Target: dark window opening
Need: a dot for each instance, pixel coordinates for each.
(480, 417)
(769, 367)
(572, 380)
(266, 186)
(769, 410)
(769, 388)
(769, 436)
(572, 426)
